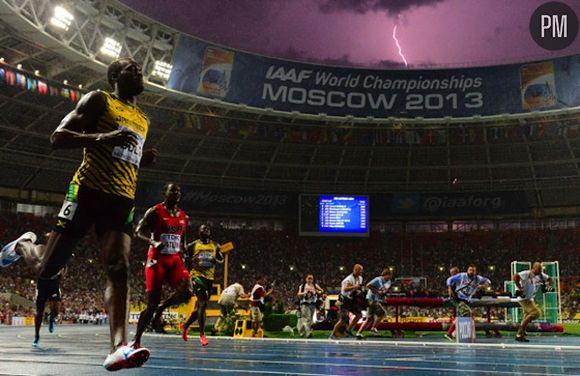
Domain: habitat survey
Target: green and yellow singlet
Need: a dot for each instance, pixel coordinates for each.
(114, 169)
(207, 254)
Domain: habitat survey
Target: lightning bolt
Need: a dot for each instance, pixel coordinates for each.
(399, 46)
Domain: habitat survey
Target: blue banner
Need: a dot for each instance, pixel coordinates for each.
(238, 77)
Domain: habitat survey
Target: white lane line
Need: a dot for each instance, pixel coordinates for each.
(373, 343)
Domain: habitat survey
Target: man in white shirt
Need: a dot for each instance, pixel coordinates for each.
(351, 288)
(528, 282)
(227, 302)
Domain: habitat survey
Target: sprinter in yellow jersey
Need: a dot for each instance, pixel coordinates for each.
(205, 253)
(112, 130)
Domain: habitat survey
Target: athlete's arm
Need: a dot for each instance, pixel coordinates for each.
(183, 244)
(78, 128)
(219, 256)
(145, 227)
(149, 157)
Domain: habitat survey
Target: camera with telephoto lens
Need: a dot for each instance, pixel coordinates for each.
(308, 295)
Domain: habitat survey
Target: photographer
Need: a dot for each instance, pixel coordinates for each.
(260, 291)
(350, 291)
(376, 292)
(228, 301)
(308, 293)
(527, 283)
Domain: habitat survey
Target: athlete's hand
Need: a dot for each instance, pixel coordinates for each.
(119, 137)
(149, 157)
(158, 245)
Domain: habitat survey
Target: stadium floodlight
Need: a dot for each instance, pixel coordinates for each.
(162, 69)
(62, 18)
(111, 48)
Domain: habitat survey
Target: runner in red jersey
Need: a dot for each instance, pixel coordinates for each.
(163, 228)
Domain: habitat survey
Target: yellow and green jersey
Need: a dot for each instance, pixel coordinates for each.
(114, 169)
(207, 255)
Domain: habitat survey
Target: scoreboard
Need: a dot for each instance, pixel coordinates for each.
(334, 215)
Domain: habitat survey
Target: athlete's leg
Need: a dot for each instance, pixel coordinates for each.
(115, 248)
(153, 298)
(54, 305)
(40, 305)
(180, 296)
(202, 307)
(55, 254)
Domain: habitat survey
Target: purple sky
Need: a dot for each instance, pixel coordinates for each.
(359, 32)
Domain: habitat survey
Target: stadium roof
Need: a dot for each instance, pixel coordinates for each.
(211, 143)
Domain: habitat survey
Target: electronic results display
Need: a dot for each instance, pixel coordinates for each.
(334, 215)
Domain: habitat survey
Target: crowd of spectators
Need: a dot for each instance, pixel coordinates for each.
(285, 258)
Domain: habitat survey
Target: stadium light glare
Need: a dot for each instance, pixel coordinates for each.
(65, 82)
(341, 268)
(162, 69)
(37, 72)
(19, 66)
(2, 60)
(243, 266)
(292, 267)
(62, 18)
(111, 48)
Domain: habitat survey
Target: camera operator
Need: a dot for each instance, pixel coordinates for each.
(260, 291)
(350, 291)
(527, 283)
(308, 293)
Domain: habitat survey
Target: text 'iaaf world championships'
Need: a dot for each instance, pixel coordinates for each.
(357, 91)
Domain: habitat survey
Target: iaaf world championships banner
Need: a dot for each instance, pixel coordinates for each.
(237, 77)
